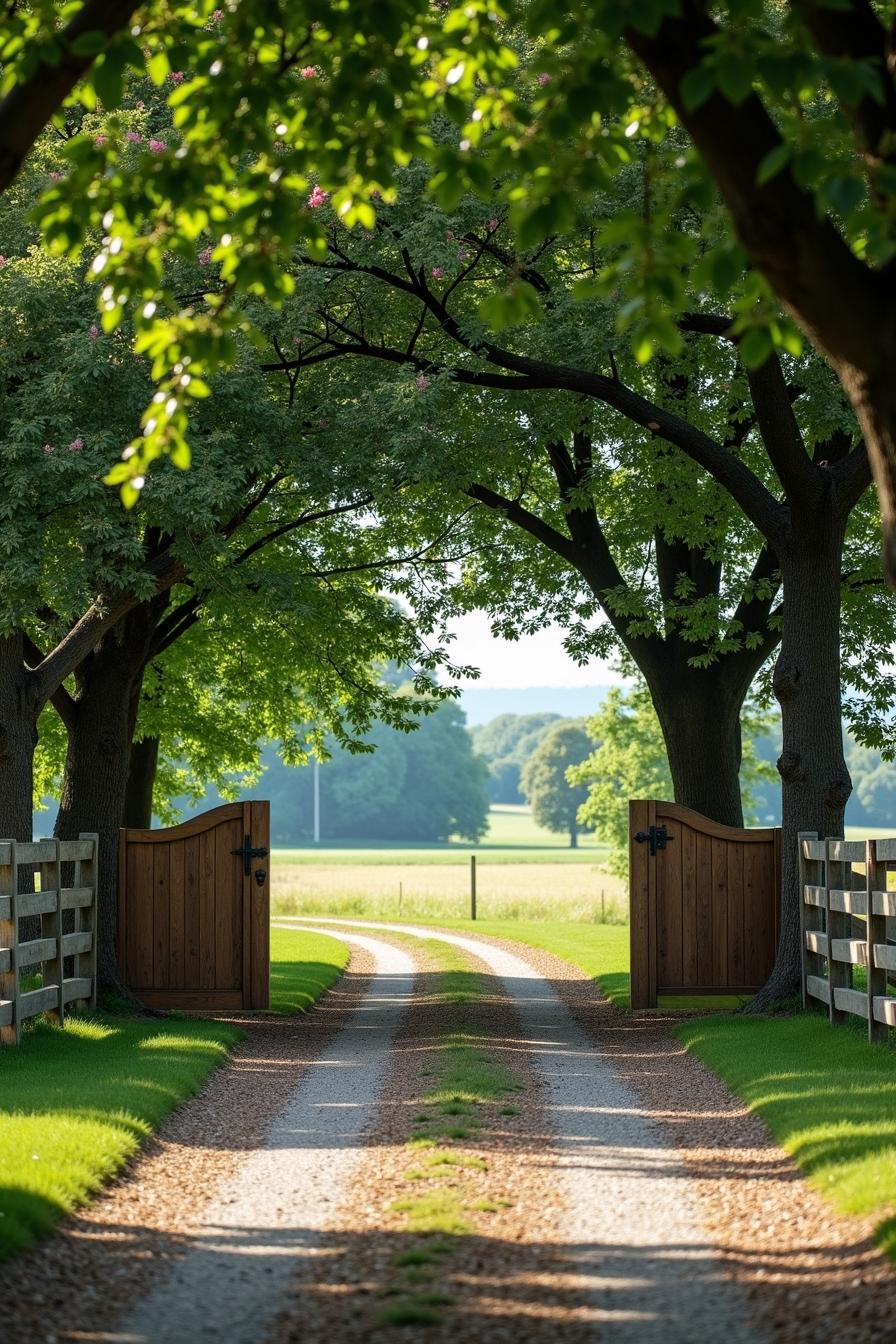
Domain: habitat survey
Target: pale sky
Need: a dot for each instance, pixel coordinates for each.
(533, 660)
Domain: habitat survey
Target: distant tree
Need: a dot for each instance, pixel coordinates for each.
(505, 743)
(630, 761)
(424, 785)
(555, 801)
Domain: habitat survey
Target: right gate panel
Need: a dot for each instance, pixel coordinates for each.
(704, 903)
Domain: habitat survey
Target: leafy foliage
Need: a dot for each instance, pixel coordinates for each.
(505, 743)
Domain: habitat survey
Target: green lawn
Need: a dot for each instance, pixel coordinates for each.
(512, 837)
(76, 1103)
(303, 965)
(827, 1096)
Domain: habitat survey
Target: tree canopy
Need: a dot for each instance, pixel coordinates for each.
(545, 779)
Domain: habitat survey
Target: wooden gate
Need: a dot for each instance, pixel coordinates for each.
(193, 910)
(704, 903)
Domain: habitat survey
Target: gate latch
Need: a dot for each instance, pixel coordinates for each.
(247, 854)
(658, 837)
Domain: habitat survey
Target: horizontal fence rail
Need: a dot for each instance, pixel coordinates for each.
(848, 928)
(56, 950)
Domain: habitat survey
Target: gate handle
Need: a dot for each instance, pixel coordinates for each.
(247, 853)
(658, 837)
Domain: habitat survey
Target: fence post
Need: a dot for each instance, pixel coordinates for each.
(10, 1031)
(876, 933)
(52, 971)
(837, 925)
(86, 963)
(472, 886)
(811, 961)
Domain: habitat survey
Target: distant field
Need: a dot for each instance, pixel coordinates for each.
(442, 891)
(523, 872)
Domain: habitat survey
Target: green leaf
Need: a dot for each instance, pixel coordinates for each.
(697, 86)
(89, 44)
(772, 163)
(755, 347)
(158, 68)
(108, 79)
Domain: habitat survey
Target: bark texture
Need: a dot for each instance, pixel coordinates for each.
(144, 761)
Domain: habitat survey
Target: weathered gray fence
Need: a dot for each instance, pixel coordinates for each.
(48, 953)
(847, 911)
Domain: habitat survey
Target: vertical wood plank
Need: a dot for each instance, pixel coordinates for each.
(876, 933)
(121, 906)
(141, 933)
(161, 918)
(697, 874)
(207, 911)
(735, 903)
(838, 925)
(757, 874)
(668, 878)
(711, 910)
(51, 927)
(192, 902)
(699, 893)
(260, 932)
(687, 931)
(11, 1033)
(719, 859)
(642, 994)
(228, 958)
(177, 943)
(87, 875)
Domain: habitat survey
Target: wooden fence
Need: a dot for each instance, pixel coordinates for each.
(846, 913)
(49, 952)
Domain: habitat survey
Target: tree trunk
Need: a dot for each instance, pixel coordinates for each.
(699, 713)
(573, 836)
(101, 728)
(144, 763)
(18, 739)
(815, 781)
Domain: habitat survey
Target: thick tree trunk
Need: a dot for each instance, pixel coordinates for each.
(144, 763)
(815, 781)
(101, 728)
(18, 739)
(699, 713)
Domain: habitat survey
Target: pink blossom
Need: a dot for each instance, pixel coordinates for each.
(309, 72)
(205, 256)
(76, 445)
(56, 176)
(493, 224)
(437, 272)
(217, 15)
(422, 382)
(158, 146)
(99, 140)
(132, 137)
(297, 341)
(544, 78)
(48, 449)
(2, 261)
(177, 76)
(318, 197)
(94, 332)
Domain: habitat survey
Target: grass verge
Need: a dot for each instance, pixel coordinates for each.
(303, 965)
(827, 1096)
(77, 1102)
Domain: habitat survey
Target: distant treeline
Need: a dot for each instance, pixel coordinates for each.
(439, 781)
